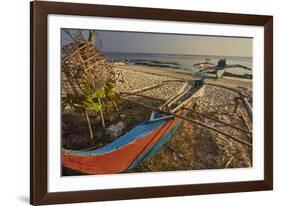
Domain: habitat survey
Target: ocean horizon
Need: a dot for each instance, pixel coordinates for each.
(183, 62)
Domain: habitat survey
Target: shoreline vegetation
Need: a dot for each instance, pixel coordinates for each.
(192, 147)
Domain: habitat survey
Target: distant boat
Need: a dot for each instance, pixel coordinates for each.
(120, 63)
(219, 68)
(140, 143)
(205, 64)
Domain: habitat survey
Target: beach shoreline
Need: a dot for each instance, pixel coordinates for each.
(180, 74)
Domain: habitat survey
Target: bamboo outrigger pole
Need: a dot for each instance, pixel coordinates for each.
(217, 120)
(247, 105)
(155, 86)
(242, 96)
(205, 115)
(190, 120)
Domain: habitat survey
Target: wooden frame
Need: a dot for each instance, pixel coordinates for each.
(38, 107)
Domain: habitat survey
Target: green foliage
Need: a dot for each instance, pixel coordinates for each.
(74, 103)
(92, 100)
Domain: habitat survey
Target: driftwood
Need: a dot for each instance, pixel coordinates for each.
(190, 120)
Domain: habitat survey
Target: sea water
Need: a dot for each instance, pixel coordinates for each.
(183, 62)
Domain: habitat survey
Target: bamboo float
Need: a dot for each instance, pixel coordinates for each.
(192, 121)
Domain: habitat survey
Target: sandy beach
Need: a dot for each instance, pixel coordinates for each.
(193, 146)
(180, 74)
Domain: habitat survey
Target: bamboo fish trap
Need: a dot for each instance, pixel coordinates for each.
(82, 62)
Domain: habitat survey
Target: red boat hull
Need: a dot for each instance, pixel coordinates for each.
(117, 160)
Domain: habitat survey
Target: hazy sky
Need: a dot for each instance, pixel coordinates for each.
(112, 41)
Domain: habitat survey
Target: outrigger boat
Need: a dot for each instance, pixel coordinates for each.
(219, 69)
(141, 142)
(83, 61)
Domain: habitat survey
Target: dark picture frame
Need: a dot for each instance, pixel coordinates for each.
(38, 102)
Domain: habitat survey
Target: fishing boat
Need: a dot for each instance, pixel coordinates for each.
(140, 143)
(219, 69)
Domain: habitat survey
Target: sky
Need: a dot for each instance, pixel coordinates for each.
(138, 42)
